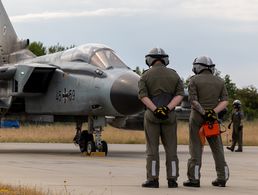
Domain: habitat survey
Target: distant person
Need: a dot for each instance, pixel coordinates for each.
(160, 90)
(237, 133)
(208, 96)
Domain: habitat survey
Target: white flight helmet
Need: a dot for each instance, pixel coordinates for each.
(202, 63)
(237, 103)
(156, 54)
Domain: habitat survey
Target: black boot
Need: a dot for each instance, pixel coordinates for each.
(230, 148)
(172, 183)
(219, 183)
(151, 184)
(239, 150)
(192, 183)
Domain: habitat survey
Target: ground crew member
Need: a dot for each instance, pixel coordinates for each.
(208, 96)
(237, 134)
(161, 90)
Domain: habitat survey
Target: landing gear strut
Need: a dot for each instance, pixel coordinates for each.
(85, 139)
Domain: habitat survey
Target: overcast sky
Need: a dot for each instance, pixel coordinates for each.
(225, 30)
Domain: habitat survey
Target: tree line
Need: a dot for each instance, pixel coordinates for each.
(39, 49)
(247, 95)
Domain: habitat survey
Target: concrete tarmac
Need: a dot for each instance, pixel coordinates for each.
(61, 169)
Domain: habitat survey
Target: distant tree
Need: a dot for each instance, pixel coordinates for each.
(231, 87)
(37, 48)
(249, 99)
(58, 47)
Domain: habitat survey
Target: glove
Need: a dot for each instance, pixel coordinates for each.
(210, 116)
(165, 109)
(229, 126)
(161, 112)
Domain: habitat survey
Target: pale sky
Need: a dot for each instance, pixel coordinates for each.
(225, 30)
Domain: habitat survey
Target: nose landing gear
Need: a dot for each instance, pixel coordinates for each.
(85, 139)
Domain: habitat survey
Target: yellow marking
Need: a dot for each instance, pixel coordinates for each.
(95, 154)
(4, 191)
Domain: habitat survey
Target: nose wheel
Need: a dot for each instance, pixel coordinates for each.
(91, 147)
(85, 139)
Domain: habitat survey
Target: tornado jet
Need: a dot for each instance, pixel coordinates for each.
(88, 83)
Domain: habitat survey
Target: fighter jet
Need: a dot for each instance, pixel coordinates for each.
(88, 83)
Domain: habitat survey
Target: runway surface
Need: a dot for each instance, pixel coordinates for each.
(61, 169)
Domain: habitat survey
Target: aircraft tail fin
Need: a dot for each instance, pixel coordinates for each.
(9, 42)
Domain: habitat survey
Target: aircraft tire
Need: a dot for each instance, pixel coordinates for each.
(104, 147)
(84, 137)
(91, 147)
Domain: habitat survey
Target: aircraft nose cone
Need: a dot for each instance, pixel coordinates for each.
(124, 95)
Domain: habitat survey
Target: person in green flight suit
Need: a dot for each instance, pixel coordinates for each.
(160, 90)
(208, 96)
(237, 134)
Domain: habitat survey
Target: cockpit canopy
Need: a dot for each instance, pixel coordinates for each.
(96, 54)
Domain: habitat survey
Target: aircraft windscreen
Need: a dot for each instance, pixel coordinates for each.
(107, 58)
